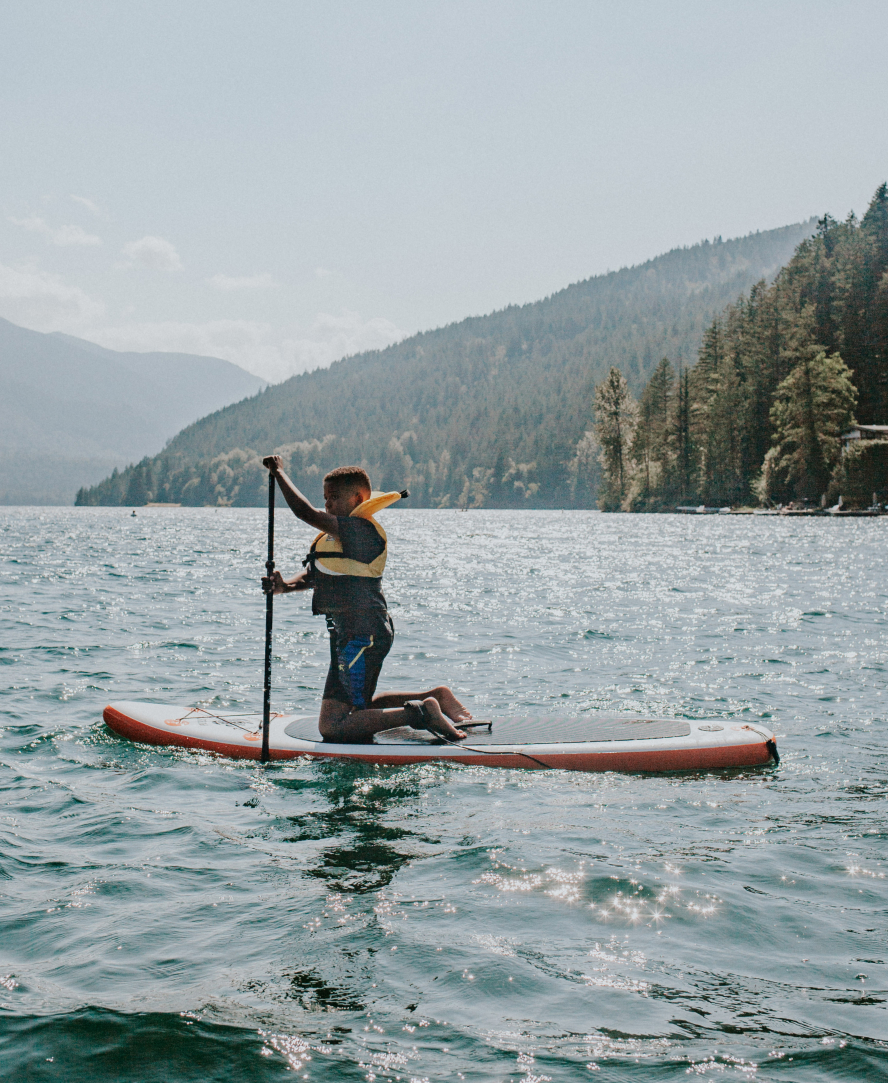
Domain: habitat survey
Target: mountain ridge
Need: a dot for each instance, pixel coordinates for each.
(71, 410)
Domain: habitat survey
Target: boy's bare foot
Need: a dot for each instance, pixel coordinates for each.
(442, 723)
(451, 706)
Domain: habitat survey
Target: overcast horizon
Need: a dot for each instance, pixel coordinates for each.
(288, 184)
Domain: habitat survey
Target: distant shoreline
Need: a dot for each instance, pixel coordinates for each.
(784, 513)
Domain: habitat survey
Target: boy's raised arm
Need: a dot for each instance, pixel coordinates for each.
(301, 508)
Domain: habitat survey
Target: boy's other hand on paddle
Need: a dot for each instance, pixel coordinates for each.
(274, 463)
(274, 584)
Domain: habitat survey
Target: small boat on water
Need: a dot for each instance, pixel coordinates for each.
(586, 743)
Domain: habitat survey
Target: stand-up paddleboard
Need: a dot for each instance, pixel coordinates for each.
(592, 743)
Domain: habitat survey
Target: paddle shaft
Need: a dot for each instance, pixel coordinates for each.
(269, 616)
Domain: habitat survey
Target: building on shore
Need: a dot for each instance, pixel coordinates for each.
(864, 432)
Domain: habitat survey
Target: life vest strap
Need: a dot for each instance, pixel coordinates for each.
(314, 555)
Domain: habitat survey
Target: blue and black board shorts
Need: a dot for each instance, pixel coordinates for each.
(355, 661)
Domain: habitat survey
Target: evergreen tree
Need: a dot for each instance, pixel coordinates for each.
(616, 418)
(652, 447)
(717, 415)
(812, 407)
(138, 490)
(756, 328)
(685, 449)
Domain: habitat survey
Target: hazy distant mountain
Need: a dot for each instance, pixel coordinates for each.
(70, 411)
(488, 410)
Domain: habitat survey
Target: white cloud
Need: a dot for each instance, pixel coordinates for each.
(244, 282)
(322, 272)
(329, 339)
(332, 337)
(63, 235)
(44, 302)
(88, 203)
(153, 252)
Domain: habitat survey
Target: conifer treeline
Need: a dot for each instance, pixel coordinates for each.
(780, 375)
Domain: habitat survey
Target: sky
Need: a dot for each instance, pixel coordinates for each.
(285, 183)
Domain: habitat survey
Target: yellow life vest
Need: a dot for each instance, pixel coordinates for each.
(326, 550)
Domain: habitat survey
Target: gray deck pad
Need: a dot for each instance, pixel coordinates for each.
(531, 731)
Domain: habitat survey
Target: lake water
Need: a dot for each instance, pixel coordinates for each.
(170, 916)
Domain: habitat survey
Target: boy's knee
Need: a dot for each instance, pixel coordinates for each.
(334, 715)
(336, 732)
(327, 728)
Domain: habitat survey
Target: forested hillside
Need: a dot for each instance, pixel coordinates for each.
(780, 375)
(487, 411)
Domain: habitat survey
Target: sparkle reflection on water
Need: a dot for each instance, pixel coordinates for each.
(172, 916)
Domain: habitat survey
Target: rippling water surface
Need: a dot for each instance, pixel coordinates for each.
(170, 916)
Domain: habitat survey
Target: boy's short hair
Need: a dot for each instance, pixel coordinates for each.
(348, 478)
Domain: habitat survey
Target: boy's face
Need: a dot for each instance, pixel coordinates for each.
(343, 501)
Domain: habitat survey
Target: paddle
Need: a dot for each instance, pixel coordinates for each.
(269, 614)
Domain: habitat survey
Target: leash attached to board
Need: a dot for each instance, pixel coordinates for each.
(269, 616)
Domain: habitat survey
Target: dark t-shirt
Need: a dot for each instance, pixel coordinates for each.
(355, 601)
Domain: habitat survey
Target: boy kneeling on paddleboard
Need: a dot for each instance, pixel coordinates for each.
(344, 570)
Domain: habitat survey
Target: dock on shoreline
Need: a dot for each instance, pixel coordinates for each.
(836, 513)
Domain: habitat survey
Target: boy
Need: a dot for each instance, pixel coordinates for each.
(345, 573)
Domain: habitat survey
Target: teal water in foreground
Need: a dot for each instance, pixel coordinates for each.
(169, 916)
